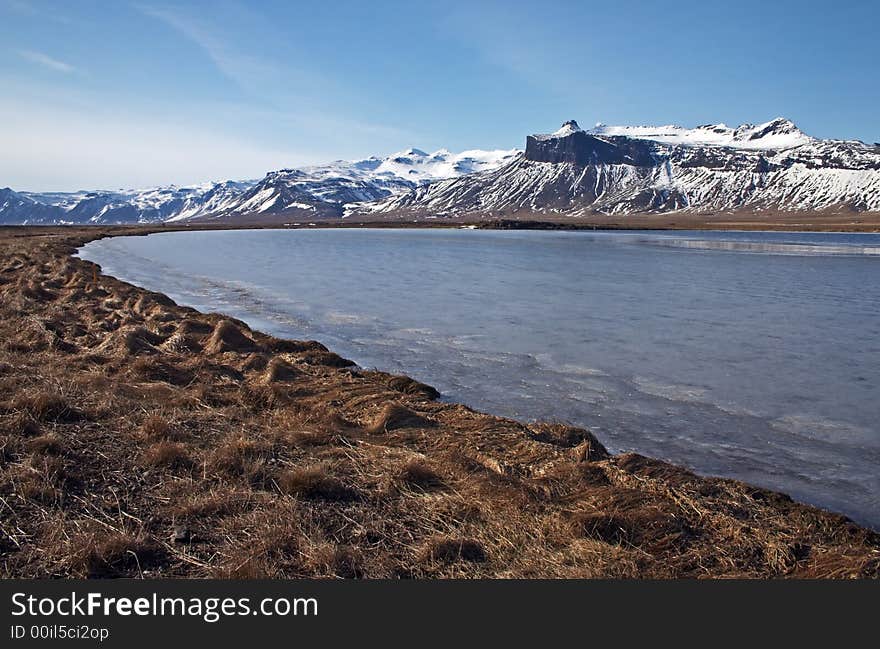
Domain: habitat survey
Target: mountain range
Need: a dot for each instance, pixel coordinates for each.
(319, 191)
(638, 169)
(571, 172)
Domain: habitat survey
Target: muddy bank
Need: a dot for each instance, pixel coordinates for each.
(141, 438)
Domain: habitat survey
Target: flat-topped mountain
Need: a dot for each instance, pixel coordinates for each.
(630, 169)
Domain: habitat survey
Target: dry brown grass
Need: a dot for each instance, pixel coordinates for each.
(150, 368)
(156, 427)
(394, 416)
(140, 438)
(216, 504)
(450, 549)
(44, 405)
(315, 482)
(331, 560)
(418, 473)
(237, 454)
(172, 455)
(20, 425)
(48, 444)
(280, 370)
(229, 336)
(114, 554)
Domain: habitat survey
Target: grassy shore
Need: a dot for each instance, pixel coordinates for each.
(741, 221)
(141, 438)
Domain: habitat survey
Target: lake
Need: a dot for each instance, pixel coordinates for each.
(748, 355)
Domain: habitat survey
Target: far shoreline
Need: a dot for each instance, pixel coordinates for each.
(793, 222)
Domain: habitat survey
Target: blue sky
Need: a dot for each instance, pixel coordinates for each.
(131, 94)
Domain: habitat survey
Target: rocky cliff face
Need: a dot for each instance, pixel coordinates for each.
(571, 145)
(620, 170)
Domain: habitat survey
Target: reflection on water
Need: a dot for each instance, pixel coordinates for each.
(824, 249)
(751, 355)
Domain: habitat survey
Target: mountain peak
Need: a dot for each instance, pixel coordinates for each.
(567, 129)
(777, 126)
(782, 122)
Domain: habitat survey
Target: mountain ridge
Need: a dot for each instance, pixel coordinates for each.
(626, 170)
(319, 191)
(571, 172)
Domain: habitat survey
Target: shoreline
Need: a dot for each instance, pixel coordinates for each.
(243, 455)
(770, 221)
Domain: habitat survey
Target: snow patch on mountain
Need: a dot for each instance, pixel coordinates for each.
(567, 128)
(779, 133)
(417, 166)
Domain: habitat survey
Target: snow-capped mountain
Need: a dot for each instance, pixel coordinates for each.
(122, 206)
(20, 208)
(326, 190)
(627, 169)
(315, 191)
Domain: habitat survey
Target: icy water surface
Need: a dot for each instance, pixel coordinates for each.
(748, 355)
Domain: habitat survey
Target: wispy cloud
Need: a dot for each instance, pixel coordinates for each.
(46, 61)
(517, 40)
(267, 80)
(240, 67)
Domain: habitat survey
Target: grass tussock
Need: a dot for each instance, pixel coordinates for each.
(315, 482)
(157, 428)
(35, 481)
(48, 444)
(151, 368)
(332, 560)
(113, 554)
(32, 488)
(589, 448)
(278, 370)
(242, 457)
(167, 454)
(418, 473)
(259, 397)
(630, 517)
(646, 467)
(229, 337)
(446, 549)
(408, 385)
(271, 545)
(394, 416)
(130, 340)
(215, 504)
(44, 406)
